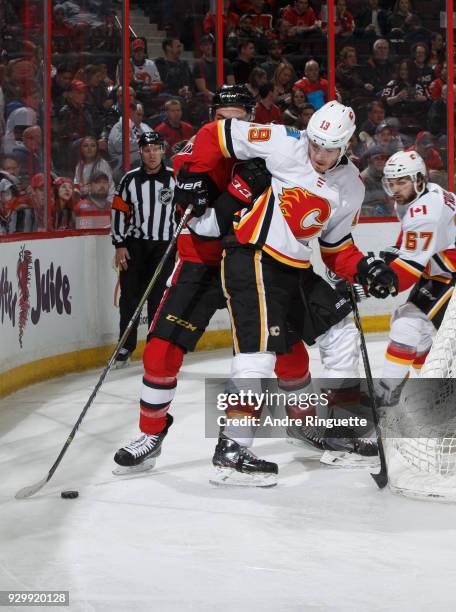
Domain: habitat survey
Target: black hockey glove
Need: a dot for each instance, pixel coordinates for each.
(191, 188)
(249, 182)
(379, 279)
(341, 287)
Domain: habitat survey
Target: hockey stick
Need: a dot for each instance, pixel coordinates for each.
(31, 490)
(382, 477)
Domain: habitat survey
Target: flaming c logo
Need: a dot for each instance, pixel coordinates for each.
(304, 211)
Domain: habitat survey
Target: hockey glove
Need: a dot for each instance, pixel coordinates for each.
(191, 188)
(250, 181)
(341, 287)
(379, 279)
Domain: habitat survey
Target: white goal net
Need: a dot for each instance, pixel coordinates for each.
(422, 461)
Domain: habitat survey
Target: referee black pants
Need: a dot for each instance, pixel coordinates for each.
(144, 258)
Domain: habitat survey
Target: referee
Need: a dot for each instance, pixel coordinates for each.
(142, 225)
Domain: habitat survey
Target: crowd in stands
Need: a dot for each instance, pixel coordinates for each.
(391, 68)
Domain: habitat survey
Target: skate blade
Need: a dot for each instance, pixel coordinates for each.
(127, 470)
(347, 460)
(231, 478)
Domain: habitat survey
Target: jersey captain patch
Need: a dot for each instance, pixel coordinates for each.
(304, 211)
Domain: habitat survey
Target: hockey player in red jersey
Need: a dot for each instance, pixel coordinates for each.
(424, 258)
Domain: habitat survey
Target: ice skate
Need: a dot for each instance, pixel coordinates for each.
(236, 465)
(141, 454)
(351, 453)
(123, 359)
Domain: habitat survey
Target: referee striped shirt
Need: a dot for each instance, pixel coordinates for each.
(143, 206)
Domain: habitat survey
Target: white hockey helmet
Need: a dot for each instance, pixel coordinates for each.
(405, 163)
(332, 126)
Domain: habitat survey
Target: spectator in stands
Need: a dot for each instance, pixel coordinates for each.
(301, 17)
(379, 69)
(315, 87)
(115, 142)
(275, 58)
(403, 20)
(266, 111)
(91, 162)
(9, 168)
(349, 81)
(437, 53)
(424, 146)
(384, 135)
(18, 121)
(404, 96)
(60, 86)
(30, 97)
(285, 32)
(11, 200)
(75, 120)
(244, 62)
(245, 32)
(257, 79)
(230, 20)
(29, 154)
(372, 21)
(145, 72)
(344, 25)
(291, 113)
(205, 69)
(424, 73)
(435, 88)
(304, 116)
(19, 73)
(375, 116)
(376, 202)
(261, 16)
(63, 34)
(107, 41)
(96, 92)
(283, 79)
(173, 129)
(175, 73)
(64, 201)
(400, 140)
(98, 197)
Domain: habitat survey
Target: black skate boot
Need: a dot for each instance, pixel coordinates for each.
(122, 359)
(308, 437)
(141, 454)
(237, 465)
(351, 452)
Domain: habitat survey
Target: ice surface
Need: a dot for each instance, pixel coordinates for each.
(321, 540)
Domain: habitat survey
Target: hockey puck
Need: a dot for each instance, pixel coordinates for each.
(69, 494)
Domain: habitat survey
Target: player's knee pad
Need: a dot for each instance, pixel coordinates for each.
(162, 359)
(339, 350)
(293, 366)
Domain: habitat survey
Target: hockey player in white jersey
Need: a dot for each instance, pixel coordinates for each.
(315, 192)
(425, 258)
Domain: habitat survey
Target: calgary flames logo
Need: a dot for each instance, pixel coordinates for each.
(304, 211)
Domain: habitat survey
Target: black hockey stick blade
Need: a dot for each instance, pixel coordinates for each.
(381, 479)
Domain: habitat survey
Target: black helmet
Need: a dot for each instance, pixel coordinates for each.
(149, 138)
(233, 95)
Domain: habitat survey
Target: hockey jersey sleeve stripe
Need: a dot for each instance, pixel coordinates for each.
(119, 204)
(221, 138)
(449, 257)
(407, 272)
(441, 303)
(336, 248)
(228, 138)
(248, 228)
